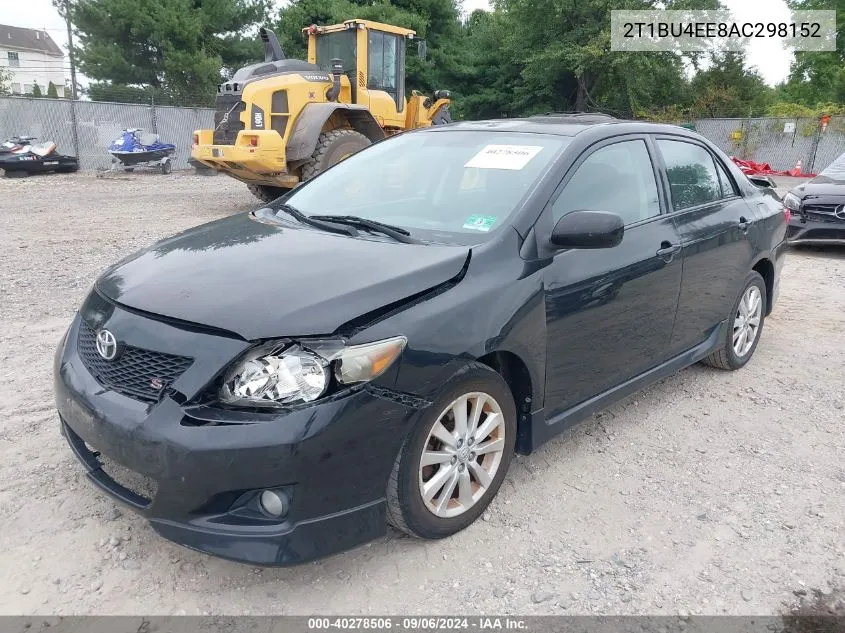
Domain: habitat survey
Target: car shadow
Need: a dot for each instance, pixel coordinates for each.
(396, 549)
(826, 251)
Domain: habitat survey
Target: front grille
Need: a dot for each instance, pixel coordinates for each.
(821, 212)
(226, 133)
(137, 373)
(821, 208)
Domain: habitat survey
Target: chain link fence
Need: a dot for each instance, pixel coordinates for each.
(779, 142)
(87, 128)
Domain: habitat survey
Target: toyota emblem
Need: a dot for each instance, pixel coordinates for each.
(840, 212)
(107, 345)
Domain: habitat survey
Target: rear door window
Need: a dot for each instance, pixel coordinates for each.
(728, 187)
(693, 179)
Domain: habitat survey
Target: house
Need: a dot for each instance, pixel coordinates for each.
(32, 57)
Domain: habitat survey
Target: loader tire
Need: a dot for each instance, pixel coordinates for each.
(443, 116)
(332, 147)
(266, 193)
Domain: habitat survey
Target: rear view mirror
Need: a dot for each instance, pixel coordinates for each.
(588, 229)
(422, 49)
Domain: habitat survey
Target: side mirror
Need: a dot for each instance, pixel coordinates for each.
(588, 229)
(762, 181)
(422, 49)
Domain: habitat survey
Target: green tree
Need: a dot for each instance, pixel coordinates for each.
(556, 55)
(5, 81)
(36, 90)
(727, 88)
(174, 47)
(52, 91)
(818, 77)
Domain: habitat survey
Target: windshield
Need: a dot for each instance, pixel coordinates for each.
(340, 45)
(449, 186)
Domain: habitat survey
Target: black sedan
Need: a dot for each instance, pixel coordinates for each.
(375, 345)
(818, 208)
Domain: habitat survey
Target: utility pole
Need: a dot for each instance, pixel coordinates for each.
(73, 93)
(70, 52)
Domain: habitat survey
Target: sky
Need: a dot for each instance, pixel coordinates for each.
(768, 56)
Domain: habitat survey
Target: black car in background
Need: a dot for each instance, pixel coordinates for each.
(374, 346)
(818, 208)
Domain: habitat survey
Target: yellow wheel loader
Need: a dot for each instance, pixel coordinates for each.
(283, 121)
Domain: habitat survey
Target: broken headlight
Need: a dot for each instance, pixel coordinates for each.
(282, 373)
(792, 202)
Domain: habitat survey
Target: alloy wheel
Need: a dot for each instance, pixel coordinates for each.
(462, 454)
(747, 321)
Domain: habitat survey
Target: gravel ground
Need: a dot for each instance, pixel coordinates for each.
(710, 492)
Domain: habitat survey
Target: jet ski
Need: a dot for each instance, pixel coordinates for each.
(135, 147)
(23, 158)
(15, 143)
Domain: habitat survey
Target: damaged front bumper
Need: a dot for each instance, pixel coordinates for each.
(816, 228)
(196, 471)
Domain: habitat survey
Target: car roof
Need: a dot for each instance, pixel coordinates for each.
(565, 125)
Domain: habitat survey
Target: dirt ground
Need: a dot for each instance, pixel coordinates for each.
(710, 492)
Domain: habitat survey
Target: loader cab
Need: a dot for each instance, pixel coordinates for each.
(373, 56)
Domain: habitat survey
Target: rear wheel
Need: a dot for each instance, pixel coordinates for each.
(332, 147)
(453, 462)
(166, 167)
(744, 326)
(266, 193)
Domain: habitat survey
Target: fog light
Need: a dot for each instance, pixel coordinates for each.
(274, 502)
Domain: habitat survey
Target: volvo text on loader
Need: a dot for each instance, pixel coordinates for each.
(283, 121)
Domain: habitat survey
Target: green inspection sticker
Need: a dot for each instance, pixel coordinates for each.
(480, 222)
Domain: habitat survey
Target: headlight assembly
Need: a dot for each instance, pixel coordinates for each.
(791, 202)
(281, 373)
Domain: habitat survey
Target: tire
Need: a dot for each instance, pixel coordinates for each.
(443, 116)
(266, 193)
(72, 169)
(166, 167)
(128, 170)
(406, 509)
(727, 356)
(332, 147)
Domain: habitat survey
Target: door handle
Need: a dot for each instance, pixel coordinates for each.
(667, 250)
(743, 224)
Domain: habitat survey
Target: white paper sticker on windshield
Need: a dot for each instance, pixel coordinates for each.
(504, 156)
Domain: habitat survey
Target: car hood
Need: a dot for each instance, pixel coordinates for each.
(821, 186)
(262, 280)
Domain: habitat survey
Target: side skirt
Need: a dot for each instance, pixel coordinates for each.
(538, 429)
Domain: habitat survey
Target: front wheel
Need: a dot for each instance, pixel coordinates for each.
(332, 147)
(744, 326)
(266, 193)
(453, 462)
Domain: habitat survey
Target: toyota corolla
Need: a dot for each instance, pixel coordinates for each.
(374, 346)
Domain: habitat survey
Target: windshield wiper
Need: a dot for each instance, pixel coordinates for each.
(396, 232)
(316, 222)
